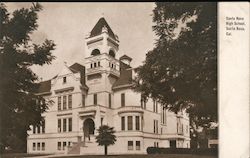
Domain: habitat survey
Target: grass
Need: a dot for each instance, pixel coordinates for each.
(142, 156)
(21, 155)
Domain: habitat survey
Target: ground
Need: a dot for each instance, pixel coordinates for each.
(114, 156)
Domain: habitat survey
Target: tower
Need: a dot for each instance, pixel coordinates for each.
(102, 64)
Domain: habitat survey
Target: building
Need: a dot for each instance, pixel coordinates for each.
(99, 92)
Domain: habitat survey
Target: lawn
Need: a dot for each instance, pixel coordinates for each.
(142, 156)
(22, 155)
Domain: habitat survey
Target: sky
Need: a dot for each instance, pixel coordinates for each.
(67, 24)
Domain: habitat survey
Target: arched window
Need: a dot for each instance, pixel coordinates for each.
(112, 53)
(95, 52)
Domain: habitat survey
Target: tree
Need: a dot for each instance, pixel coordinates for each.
(20, 107)
(181, 71)
(106, 137)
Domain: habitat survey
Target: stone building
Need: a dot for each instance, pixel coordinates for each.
(97, 92)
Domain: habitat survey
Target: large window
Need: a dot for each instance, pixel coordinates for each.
(34, 129)
(59, 145)
(38, 146)
(137, 123)
(95, 99)
(59, 103)
(109, 100)
(70, 124)
(138, 145)
(155, 106)
(83, 100)
(64, 102)
(123, 123)
(38, 129)
(64, 125)
(64, 145)
(34, 146)
(123, 99)
(156, 126)
(70, 101)
(130, 145)
(130, 123)
(43, 146)
(43, 126)
(59, 125)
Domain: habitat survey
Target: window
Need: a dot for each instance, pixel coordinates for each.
(59, 125)
(94, 64)
(64, 79)
(95, 99)
(109, 100)
(38, 129)
(64, 102)
(38, 146)
(130, 145)
(69, 143)
(143, 102)
(34, 129)
(64, 124)
(156, 144)
(187, 129)
(137, 123)
(130, 123)
(83, 100)
(156, 126)
(138, 145)
(99, 64)
(34, 146)
(101, 121)
(91, 65)
(70, 124)
(155, 106)
(64, 145)
(43, 146)
(70, 101)
(95, 52)
(43, 126)
(123, 99)
(59, 145)
(59, 103)
(122, 123)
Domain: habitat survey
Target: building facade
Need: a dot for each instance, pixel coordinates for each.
(86, 96)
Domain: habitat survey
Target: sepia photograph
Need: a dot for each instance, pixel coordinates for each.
(108, 79)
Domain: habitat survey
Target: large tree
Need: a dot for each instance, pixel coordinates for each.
(20, 107)
(106, 137)
(181, 71)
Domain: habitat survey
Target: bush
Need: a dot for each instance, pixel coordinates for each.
(199, 151)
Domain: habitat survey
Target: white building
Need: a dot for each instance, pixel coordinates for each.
(86, 97)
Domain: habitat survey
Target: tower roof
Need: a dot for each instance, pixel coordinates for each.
(97, 30)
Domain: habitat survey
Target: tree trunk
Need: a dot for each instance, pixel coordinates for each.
(106, 149)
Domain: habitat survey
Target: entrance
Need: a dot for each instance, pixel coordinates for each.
(172, 143)
(88, 128)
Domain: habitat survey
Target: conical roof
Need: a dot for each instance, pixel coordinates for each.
(97, 30)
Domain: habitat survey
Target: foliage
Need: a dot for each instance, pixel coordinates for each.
(106, 136)
(20, 107)
(181, 71)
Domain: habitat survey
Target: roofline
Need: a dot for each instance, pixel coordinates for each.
(123, 86)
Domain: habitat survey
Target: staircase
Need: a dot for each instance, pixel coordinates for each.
(75, 148)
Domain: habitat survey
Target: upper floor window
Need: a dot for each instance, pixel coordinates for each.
(70, 124)
(155, 106)
(156, 126)
(138, 145)
(70, 101)
(59, 103)
(43, 126)
(112, 53)
(64, 125)
(95, 99)
(83, 100)
(95, 52)
(109, 100)
(64, 102)
(130, 123)
(122, 123)
(137, 123)
(64, 79)
(123, 99)
(99, 63)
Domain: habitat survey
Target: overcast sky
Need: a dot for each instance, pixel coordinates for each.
(68, 23)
